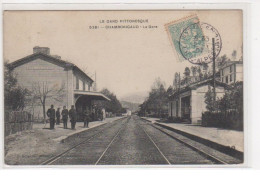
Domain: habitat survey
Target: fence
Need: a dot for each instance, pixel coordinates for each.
(17, 121)
(229, 120)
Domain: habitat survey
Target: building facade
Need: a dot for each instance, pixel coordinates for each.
(231, 72)
(46, 72)
(189, 102)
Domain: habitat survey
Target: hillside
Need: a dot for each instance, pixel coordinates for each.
(131, 106)
(136, 97)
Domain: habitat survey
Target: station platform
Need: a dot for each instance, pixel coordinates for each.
(230, 138)
(41, 142)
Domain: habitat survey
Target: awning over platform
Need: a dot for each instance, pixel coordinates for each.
(93, 95)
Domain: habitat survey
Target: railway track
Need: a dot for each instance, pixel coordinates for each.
(198, 147)
(114, 147)
(56, 157)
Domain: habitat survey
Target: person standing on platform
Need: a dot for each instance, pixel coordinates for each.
(73, 117)
(86, 115)
(51, 115)
(65, 114)
(92, 115)
(58, 116)
(104, 113)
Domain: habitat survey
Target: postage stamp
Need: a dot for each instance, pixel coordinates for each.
(175, 29)
(192, 40)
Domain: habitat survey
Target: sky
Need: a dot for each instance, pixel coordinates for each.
(125, 60)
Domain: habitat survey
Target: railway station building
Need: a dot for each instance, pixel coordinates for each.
(231, 72)
(188, 102)
(50, 72)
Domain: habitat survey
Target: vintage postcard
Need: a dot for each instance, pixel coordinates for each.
(125, 87)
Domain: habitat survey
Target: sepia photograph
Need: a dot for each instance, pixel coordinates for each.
(123, 88)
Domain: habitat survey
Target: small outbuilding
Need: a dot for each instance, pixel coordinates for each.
(188, 102)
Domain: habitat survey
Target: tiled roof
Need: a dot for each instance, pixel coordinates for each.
(48, 58)
(196, 85)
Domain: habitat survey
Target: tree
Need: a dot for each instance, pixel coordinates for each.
(187, 72)
(194, 70)
(234, 96)
(186, 78)
(157, 100)
(221, 61)
(176, 81)
(43, 92)
(209, 100)
(113, 106)
(14, 95)
(223, 103)
(170, 90)
(143, 108)
(199, 73)
(205, 67)
(232, 99)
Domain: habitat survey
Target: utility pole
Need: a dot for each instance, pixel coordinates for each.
(179, 88)
(179, 80)
(214, 70)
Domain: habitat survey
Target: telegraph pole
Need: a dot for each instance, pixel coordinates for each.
(179, 85)
(214, 69)
(179, 88)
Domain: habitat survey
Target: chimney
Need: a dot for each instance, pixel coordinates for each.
(44, 50)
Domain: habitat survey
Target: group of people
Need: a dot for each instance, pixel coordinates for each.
(65, 113)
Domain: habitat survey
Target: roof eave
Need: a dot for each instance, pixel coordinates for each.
(62, 63)
(82, 72)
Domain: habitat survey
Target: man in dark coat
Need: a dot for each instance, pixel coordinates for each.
(86, 116)
(73, 117)
(65, 114)
(58, 116)
(92, 115)
(51, 115)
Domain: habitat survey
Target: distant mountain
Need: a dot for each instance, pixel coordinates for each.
(137, 97)
(131, 106)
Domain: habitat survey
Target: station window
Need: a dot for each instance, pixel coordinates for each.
(231, 69)
(231, 78)
(88, 87)
(84, 86)
(226, 79)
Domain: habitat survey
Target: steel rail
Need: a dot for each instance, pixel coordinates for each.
(207, 155)
(111, 142)
(150, 138)
(56, 157)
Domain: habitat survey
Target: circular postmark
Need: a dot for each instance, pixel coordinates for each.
(196, 43)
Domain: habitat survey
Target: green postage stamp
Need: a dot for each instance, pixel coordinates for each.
(175, 29)
(193, 40)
